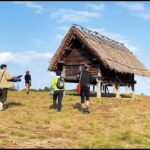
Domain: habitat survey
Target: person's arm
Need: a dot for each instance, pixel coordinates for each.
(8, 76)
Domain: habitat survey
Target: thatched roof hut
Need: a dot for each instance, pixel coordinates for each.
(97, 50)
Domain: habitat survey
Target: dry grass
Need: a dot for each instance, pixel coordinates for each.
(27, 122)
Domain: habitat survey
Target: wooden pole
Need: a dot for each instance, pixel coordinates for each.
(114, 89)
(63, 74)
(132, 89)
(117, 90)
(93, 88)
(98, 88)
(99, 83)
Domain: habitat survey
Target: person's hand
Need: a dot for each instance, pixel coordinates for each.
(19, 76)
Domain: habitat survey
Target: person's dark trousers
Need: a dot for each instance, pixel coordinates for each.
(3, 96)
(57, 95)
(85, 93)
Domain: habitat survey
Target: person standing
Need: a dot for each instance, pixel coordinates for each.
(27, 81)
(85, 80)
(58, 86)
(5, 84)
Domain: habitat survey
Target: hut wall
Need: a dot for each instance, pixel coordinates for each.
(77, 58)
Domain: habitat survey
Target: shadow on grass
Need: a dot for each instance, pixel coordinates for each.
(93, 94)
(77, 106)
(12, 104)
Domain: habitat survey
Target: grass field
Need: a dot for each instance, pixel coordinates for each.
(27, 122)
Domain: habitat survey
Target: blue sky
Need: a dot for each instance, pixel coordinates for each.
(30, 33)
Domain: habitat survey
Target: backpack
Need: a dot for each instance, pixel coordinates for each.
(60, 83)
(78, 88)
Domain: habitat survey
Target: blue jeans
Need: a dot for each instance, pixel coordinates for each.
(58, 95)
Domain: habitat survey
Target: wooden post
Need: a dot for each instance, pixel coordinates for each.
(63, 74)
(93, 88)
(99, 83)
(98, 88)
(63, 71)
(114, 89)
(117, 90)
(132, 90)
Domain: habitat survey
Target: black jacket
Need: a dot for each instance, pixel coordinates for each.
(85, 78)
(27, 78)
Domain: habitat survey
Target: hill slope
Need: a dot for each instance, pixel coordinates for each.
(27, 122)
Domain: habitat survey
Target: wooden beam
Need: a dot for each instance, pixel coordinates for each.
(67, 49)
(61, 62)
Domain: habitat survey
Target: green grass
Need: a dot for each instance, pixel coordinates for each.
(27, 122)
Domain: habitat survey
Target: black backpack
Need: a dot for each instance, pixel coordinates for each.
(60, 83)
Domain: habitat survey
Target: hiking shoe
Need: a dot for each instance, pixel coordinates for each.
(58, 110)
(83, 111)
(87, 111)
(52, 107)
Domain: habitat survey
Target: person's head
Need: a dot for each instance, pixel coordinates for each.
(27, 72)
(3, 66)
(85, 67)
(58, 73)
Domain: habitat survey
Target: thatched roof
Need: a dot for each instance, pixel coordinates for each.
(112, 54)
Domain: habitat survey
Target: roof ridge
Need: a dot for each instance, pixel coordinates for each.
(97, 34)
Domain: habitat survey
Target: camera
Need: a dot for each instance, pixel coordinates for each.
(16, 79)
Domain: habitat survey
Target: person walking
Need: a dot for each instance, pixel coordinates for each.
(58, 86)
(85, 80)
(6, 82)
(27, 81)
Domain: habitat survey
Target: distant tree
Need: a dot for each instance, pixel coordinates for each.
(46, 88)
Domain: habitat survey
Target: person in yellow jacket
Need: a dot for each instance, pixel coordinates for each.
(58, 86)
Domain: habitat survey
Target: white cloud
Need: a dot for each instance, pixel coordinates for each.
(23, 57)
(96, 7)
(70, 15)
(133, 6)
(37, 41)
(63, 28)
(137, 9)
(117, 37)
(33, 5)
(144, 15)
(59, 36)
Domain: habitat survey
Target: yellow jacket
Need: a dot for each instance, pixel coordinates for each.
(4, 83)
(54, 84)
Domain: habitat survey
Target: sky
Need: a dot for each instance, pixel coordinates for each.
(31, 32)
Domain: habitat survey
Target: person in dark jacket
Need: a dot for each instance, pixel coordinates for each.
(27, 81)
(85, 80)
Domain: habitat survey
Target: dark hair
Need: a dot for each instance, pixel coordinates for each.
(3, 66)
(58, 73)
